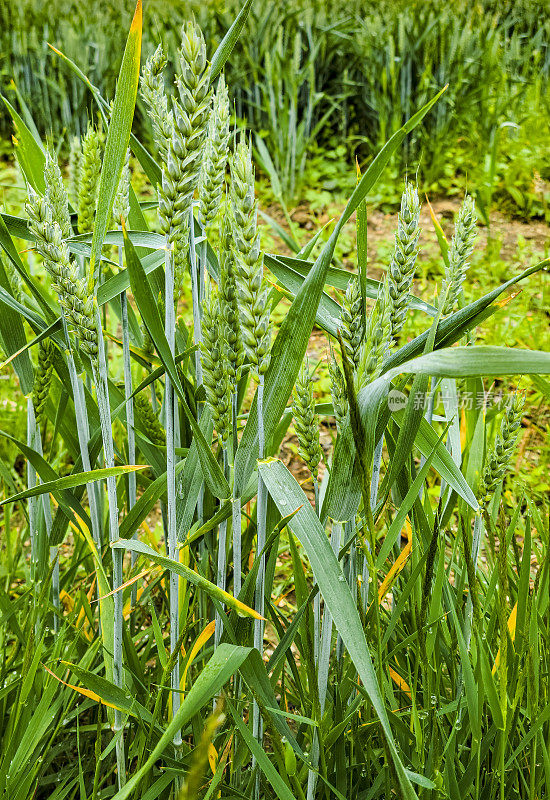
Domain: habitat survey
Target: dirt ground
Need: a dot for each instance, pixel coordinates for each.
(381, 229)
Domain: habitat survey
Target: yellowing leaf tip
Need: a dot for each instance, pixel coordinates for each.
(137, 19)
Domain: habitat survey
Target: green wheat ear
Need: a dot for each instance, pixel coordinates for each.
(150, 420)
(42, 378)
(156, 101)
(77, 302)
(56, 195)
(403, 261)
(190, 120)
(377, 337)
(462, 245)
(252, 288)
(229, 304)
(338, 392)
(306, 421)
(88, 181)
(353, 320)
(213, 173)
(502, 451)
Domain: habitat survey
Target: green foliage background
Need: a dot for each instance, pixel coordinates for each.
(322, 72)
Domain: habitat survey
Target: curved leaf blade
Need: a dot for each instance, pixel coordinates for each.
(228, 42)
(226, 660)
(305, 525)
(118, 137)
(70, 481)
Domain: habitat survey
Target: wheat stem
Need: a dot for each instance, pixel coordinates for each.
(83, 433)
(169, 408)
(261, 512)
(195, 291)
(221, 578)
(236, 510)
(31, 483)
(323, 668)
(99, 371)
(132, 485)
(53, 550)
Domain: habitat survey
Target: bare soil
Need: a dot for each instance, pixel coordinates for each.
(381, 228)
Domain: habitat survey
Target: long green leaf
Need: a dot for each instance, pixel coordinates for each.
(135, 546)
(118, 138)
(286, 267)
(226, 660)
(65, 498)
(13, 337)
(451, 329)
(49, 331)
(467, 362)
(30, 152)
(6, 243)
(305, 525)
(109, 693)
(70, 481)
(228, 42)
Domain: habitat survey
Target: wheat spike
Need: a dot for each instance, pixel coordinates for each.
(462, 245)
(403, 261)
(306, 421)
(213, 172)
(353, 320)
(253, 291)
(78, 303)
(88, 180)
(56, 195)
